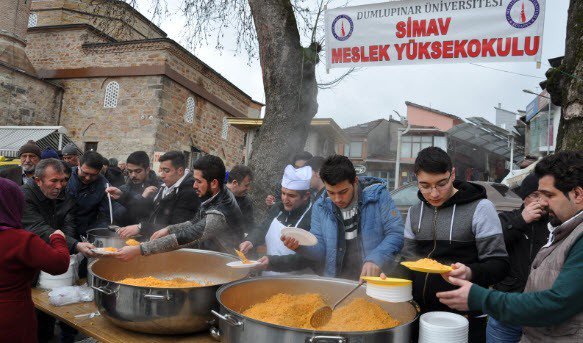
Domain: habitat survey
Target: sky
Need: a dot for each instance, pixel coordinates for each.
(372, 93)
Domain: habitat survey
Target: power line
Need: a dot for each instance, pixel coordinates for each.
(507, 71)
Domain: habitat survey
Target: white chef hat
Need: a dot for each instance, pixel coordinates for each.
(297, 179)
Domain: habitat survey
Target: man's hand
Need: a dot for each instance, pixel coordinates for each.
(245, 247)
(264, 263)
(370, 269)
(128, 231)
(458, 299)
(159, 234)
(149, 192)
(85, 248)
(58, 232)
(270, 200)
(532, 212)
(460, 271)
(115, 192)
(290, 243)
(128, 253)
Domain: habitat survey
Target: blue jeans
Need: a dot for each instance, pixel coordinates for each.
(498, 332)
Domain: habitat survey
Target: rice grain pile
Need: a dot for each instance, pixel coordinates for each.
(151, 281)
(296, 310)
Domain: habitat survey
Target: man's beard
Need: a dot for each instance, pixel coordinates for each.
(28, 168)
(207, 195)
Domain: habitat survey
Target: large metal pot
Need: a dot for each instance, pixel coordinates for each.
(162, 310)
(236, 297)
(104, 237)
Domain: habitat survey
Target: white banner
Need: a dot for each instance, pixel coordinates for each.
(434, 31)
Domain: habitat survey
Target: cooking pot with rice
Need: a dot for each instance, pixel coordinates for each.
(238, 297)
(162, 310)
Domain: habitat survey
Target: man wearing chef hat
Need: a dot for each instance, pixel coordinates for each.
(294, 210)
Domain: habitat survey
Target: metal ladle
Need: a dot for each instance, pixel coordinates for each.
(323, 315)
(111, 226)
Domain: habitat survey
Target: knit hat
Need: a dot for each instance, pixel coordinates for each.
(49, 153)
(29, 148)
(70, 149)
(528, 186)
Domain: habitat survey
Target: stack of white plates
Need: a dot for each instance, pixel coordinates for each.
(394, 294)
(443, 327)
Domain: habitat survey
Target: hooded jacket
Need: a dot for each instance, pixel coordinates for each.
(464, 229)
(523, 241)
(136, 207)
(216, 226)
(380, 225)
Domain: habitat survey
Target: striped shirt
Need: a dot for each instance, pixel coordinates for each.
(350, 217)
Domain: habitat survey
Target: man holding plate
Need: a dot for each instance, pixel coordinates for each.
(294, 210)
(358, 228)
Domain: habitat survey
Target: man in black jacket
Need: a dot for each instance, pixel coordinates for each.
(137, 195)
(452, 223)
(525, 232)
(216, 226)
(239, 183)
(295, 210)
(48, 208)
(174, 203)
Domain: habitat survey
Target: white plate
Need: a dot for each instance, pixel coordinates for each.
(302, 236)
(103, 252)
(443, 321)
(240, 265)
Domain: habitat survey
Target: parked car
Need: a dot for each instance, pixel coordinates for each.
(503, 197)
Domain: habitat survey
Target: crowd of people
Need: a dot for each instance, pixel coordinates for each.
(516, 275)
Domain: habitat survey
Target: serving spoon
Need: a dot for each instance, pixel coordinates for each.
(323, 315)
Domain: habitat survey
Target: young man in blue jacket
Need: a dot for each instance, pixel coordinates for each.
(358, 227)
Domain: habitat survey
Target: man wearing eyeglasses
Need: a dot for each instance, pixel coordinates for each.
(455, 224)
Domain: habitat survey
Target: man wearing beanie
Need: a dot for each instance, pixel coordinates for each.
(29, 155)
(295, 210)
(525, 232)
(71, 155)
(49, 153)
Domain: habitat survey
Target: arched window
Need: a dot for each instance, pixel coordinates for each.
(32, 20)
(111, 93)
(190, 107)
(225, 129)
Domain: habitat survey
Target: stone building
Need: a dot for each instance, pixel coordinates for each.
(115, 81)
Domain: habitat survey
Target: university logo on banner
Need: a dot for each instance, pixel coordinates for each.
(434, 31)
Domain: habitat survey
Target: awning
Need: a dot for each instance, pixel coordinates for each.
(13, 137)
(481, 134)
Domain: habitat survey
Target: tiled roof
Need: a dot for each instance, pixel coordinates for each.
(408, 103)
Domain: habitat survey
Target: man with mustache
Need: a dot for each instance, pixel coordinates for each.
(29, 155)
(550, 309)
(137, 194)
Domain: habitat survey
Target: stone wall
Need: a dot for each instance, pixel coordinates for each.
(26, 100)
(205, 131)
(120, 22)
(119, 131)
(14, 18)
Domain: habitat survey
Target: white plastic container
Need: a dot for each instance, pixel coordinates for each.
(48, 281)
(443, 327)
(393, 294)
